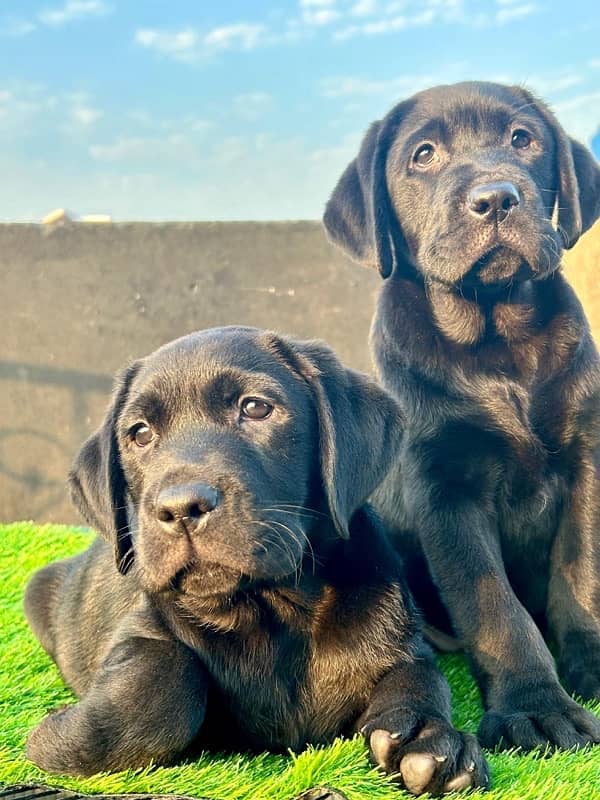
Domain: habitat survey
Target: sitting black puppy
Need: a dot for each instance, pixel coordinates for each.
(255, 603)
(464, 198)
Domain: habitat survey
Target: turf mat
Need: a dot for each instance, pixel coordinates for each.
(30, 687)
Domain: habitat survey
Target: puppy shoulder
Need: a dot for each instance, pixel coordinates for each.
(369, 548)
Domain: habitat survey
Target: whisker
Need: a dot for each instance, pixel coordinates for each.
(304, 537)
(280, 542)
(302, 508)
(124, 558)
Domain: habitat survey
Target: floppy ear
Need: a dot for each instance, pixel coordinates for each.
(578, 193)
(359, 216)
(97, 481)
(360, 425)
(587, 171)
(578, 196)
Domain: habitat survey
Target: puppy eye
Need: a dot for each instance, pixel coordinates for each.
(520, 139)
(141, 434)
(425, 155)
(255, 408)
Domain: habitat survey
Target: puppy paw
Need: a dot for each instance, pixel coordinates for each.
(321, 793)
(426, 754)
(51, 747)
(567, 726)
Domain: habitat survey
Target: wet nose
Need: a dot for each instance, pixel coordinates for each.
(185, 503)
(493, 201)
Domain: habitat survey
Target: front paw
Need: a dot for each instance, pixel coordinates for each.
(554, 722)
(426, 753)
(55, 747)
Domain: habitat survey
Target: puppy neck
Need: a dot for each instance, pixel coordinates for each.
(460, 319)
(289, 601)
(469, 317)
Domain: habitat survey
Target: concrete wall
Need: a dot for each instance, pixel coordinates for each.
(81, 300)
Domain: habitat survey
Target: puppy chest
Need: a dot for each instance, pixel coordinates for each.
(257, 681)
(284, 686)
(356, 642)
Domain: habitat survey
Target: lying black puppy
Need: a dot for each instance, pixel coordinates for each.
(495, 497)
(255, 602)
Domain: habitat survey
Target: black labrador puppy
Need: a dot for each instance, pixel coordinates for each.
(464, 197)
(243, 595)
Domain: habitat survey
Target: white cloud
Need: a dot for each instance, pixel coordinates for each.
(178, 177)
(15, 28)
(167, 42)
(323, 16)
(20, 104)
(241, 35)
(85, 115)
(393, 17)
(317, 3)
(73, 10)
(191, 45)
(386, 25)
(138, 148)
(510, 12)
(319, 12)
(252, 105)
(344, 87)
(32, 108)
(351, 87)
(70, 11)
(342, 19)
(364, 8)
(201, 125)
(546, 85)
(580, 115)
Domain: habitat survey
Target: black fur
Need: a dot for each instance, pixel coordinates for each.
(495, 497)
(243, 596)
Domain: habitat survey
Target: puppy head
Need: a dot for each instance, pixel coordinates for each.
(460, 183)
(229, 452)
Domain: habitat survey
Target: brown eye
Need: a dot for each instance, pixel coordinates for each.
(255, 408)
(142, 434)
(520, 139)
(425, 155)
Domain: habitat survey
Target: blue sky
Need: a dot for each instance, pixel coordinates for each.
(192, 109)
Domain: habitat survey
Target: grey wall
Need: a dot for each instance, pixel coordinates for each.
(79, 301)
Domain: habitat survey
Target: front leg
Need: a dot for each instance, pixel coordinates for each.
(525, 704)
(574, 587)
(409, 731)
(146, 703)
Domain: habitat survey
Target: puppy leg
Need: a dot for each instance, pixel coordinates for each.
(409, 731)
(146, 702)
(40, 598)
(525, 704)
(574, 588)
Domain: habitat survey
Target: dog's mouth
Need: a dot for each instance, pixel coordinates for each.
(215, 573)
(241, 549)
(214, 582)
(207, 579)
(497, 268)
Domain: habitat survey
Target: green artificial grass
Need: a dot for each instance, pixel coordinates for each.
(30, 687)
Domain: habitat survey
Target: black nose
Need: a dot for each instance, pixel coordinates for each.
(187, 503)
(493, 201)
